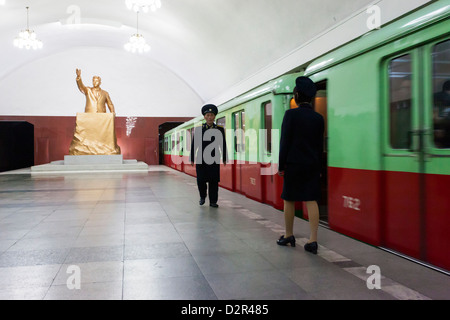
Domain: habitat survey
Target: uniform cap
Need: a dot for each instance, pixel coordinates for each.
(210, 108)
(306, 87)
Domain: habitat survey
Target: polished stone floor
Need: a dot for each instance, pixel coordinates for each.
(127, 236)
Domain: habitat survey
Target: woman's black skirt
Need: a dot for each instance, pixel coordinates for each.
(301, 183)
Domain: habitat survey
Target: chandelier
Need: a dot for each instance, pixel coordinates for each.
(27, 38)
(144, 5)
(137, 42)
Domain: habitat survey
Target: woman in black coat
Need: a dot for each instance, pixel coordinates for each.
(301, 149)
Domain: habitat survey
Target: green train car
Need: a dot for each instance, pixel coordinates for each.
(386, 101)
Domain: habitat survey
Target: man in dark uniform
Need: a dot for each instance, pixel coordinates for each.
(207, 145)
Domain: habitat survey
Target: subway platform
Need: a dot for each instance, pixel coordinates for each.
(143, 236)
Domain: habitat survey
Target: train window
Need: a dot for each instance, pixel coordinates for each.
(183, 133)
(441, 90)
(267, 109)
(221, 122)
(400, 75)
(243, 131)
(188, 138)
(239, 127)
(173, 142)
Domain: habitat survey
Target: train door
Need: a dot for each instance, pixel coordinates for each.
(226, 172)
(239, 149)
(267, 174)
(437, 157)
(416, 153)
(321, 106)
(181, 149)
(403, 158)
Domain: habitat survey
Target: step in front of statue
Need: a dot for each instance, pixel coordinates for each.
(97, 159)
(92, 163)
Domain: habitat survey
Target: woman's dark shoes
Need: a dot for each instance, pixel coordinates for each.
(285, 241)
(214, 205)
(311, 247)
(202, 201)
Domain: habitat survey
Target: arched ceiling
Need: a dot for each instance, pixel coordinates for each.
(210, 45)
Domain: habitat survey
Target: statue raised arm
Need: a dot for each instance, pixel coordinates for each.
(96, 98)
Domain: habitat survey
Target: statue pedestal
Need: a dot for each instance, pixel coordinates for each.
(98, 159)
(94, 135)
(91, 163)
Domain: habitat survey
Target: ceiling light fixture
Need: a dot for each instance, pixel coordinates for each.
(137, 42)
(27, 38)
(143, 5)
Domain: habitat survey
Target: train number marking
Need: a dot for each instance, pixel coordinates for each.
(352, 203)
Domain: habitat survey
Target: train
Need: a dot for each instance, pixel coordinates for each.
(385, 101)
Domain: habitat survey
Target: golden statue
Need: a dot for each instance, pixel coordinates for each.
(95, 129)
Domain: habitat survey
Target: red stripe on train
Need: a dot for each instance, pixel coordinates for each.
(406, 212)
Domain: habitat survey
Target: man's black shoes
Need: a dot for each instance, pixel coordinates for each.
(202, 202)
